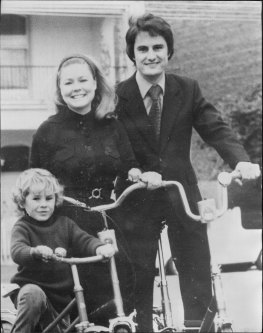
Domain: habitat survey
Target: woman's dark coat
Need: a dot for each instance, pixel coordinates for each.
(87, 154)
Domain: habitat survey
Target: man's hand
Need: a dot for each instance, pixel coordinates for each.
(248, 170)
(152, 179)
(134, 175)
(42, 252)
(106, 250)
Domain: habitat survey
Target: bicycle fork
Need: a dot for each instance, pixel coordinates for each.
(166, 303)
(216, 312)
(122, 321)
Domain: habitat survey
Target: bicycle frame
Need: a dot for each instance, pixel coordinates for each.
(81, 323)
(108, 236)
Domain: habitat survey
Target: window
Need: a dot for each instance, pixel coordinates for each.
(13, 25)
(14, 158)
(14, 49)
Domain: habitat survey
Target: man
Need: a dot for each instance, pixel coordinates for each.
(163, 149)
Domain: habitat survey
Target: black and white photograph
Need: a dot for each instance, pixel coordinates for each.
(131, 166)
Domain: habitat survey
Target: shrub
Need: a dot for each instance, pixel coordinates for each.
(244, 115)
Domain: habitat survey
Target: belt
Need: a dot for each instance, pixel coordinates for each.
(89, 194)
(97, 193)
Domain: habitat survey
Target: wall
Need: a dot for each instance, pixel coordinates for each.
(224, 56)
(53, 37)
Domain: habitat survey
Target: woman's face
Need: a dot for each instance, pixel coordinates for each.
(77, 87)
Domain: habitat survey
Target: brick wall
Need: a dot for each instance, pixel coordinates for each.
(224, 56)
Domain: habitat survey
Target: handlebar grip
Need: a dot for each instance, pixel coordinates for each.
(75, 202)
(60, 252)
(225, 178)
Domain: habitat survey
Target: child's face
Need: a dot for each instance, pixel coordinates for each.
(40, 203)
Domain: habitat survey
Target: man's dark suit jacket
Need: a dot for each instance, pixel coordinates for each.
(184, 108)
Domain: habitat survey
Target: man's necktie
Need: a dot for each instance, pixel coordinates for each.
(155, 112)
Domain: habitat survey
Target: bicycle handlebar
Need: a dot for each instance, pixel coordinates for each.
(224, 179)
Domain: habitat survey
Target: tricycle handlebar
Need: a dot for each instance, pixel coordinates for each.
(77, 261)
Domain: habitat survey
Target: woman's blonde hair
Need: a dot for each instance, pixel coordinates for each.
(105, 98)
(30, 177)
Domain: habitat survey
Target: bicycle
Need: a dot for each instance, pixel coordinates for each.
(208, 213)
(216, 313)
(81, 323)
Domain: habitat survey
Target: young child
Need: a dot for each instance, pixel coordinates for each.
(45, 285)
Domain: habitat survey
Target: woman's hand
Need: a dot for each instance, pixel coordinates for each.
(152, 179)
(134, 175)
(106, 250)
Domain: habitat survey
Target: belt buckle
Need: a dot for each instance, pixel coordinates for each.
(96, 193)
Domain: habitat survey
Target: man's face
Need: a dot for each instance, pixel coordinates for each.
(151, 55)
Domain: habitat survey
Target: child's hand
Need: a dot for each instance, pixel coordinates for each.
(106, 251)
(42, 252)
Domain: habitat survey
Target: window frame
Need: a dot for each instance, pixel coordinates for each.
(16, 42)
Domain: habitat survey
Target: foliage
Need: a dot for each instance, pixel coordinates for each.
(244, 115)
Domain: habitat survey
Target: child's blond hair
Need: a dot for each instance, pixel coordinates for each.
(30, 177)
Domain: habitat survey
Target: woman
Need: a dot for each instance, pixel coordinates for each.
(86, 148)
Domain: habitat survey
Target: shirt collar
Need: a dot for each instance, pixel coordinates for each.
(144, 85)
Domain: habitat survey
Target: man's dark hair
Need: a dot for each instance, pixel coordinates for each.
(155, 26)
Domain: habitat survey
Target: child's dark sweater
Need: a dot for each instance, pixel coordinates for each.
(54, 278)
